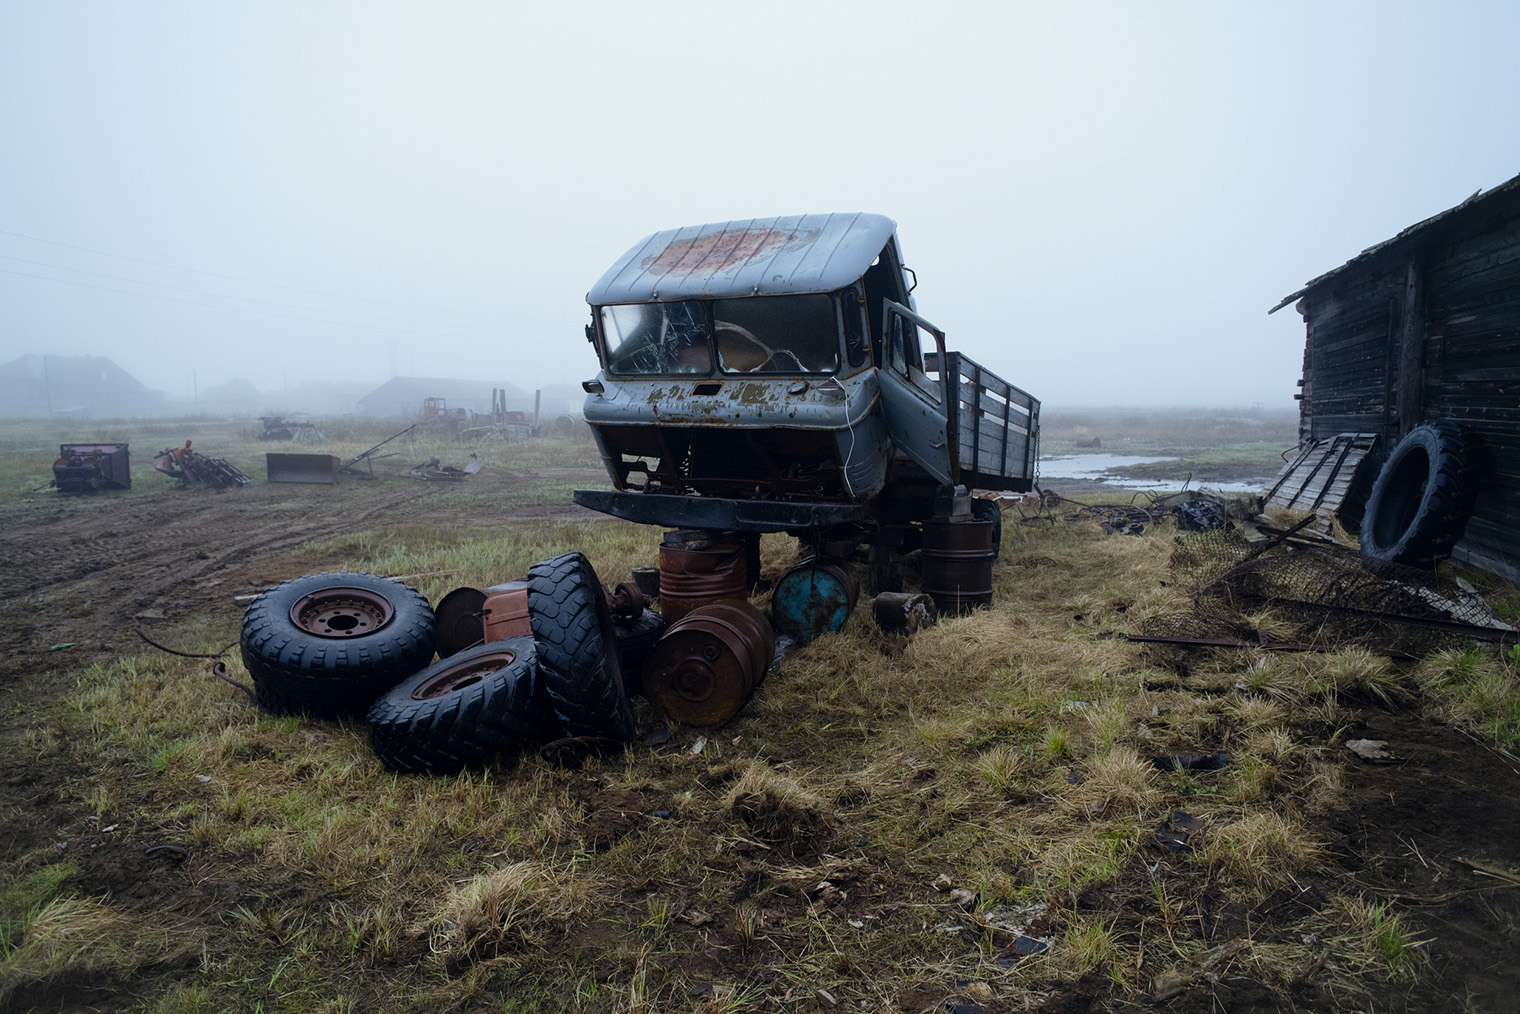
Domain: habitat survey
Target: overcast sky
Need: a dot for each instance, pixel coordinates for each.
(1101, 201)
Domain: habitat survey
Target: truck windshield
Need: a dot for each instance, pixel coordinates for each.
(760, 334)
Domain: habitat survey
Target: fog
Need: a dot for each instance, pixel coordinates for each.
(1100, 201)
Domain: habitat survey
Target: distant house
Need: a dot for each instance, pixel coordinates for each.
(79, 387)
(1422, 327)
(403, 396)
(562, 399)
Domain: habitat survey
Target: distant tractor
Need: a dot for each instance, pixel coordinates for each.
(436, 412)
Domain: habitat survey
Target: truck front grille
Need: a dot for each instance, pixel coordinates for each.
(766, 464)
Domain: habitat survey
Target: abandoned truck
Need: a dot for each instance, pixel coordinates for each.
(774, 375)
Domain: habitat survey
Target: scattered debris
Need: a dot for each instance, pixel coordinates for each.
(1200, 514)
(964, 898)
(1372, 750)
(1177, 831)
(433, 471)
(1169, 984)
(189, 466)
(1191, 762)
(1322, 594)
(1491, 871)
(1021, 947)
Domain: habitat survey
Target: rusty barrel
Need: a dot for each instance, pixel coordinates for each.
(815, 598)
(957, 558)
(691, 577)
(903, 612)
(705, 666)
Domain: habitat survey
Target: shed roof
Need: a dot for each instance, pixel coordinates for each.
(1510, 187)
(749, 257)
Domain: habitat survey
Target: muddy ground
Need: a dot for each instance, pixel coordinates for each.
(1436, 831)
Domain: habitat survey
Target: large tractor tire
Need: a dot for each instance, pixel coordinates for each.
(461, 711)
(326, 645)
(1422, 498)
(633, 643)
(577, 649)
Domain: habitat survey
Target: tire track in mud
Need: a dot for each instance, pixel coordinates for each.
(82, 575)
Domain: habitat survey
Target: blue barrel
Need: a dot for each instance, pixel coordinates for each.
(814, 598)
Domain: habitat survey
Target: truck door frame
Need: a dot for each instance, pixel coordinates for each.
(919, 410)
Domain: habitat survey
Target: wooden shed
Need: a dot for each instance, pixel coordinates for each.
(1424, 326)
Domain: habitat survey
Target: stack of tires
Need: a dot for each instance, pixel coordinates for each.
(347, 644)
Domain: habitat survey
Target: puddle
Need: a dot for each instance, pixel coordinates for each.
(1100, 468)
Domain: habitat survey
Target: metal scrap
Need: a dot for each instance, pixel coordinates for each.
(368, 456)
(189, 466)
(82, 468)
(434, 471)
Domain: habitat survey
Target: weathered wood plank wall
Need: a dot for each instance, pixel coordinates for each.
(1428, 327)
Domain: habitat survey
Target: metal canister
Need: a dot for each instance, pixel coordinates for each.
(957, 558)
(903, 612)
(704, 668)
(815, 598)
(692, 577)
(505, 611)
(466, 617)
(648, 580)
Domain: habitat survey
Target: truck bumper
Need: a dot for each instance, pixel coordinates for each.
(715, 513)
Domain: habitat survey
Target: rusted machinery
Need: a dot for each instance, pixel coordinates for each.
(85, 468)
(189, 466)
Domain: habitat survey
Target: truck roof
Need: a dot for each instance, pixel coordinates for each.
(746, 257)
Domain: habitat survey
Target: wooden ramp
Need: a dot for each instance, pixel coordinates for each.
(1322, 474)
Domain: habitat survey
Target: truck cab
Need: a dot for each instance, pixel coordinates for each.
(770, 375)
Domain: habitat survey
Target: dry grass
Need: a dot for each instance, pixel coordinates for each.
(1007, 754)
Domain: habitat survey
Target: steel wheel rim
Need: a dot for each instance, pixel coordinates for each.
(341, 613)
(464, 674)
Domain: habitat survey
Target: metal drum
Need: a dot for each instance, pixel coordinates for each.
(691, 577)
(957, 557)
(704, 668)
(814, 598)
